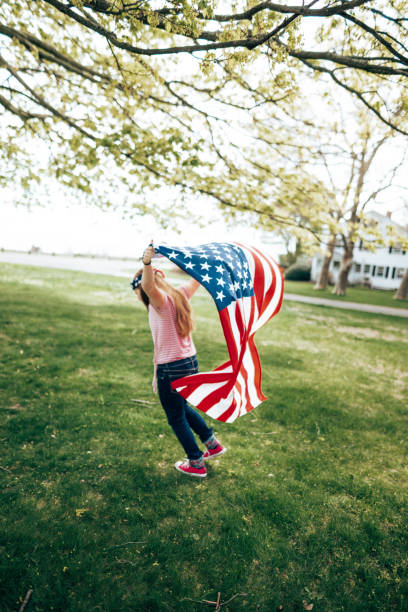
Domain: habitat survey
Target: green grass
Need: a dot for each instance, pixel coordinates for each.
(308, 505)
(362, 295)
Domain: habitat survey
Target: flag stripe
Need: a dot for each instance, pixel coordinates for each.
(272, 300)
(247, 287)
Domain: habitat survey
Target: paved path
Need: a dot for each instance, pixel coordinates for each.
(126, 267)
(396, 312)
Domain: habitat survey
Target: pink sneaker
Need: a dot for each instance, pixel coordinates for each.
(214, 452)
(186, 468)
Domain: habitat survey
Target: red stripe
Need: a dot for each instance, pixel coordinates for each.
(238, 366)
(233, 349)
(192, 386)
(214, 397)
(201, 378)
(242, 389)
(271, 291)
(243, 370)
(258, 372)
(259, 283)
(259, 280)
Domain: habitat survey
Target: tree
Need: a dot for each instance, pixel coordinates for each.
(101, 82)
(346, 149)
(334, 174)
(293, 248)
(402, 292)
(323, 280)
(358, 194)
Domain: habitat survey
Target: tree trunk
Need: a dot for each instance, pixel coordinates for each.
(323, 280)
(402, 293)
(346, 262)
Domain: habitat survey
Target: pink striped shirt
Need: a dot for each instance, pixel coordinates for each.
(168, 344)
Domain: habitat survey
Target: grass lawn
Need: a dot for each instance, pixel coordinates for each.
(362, 295)
(308, 507)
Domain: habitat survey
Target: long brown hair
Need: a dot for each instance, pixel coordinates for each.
(184, 313)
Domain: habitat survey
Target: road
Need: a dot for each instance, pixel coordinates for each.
(126, 267)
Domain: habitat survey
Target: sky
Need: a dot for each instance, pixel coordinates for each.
(64, 226)
(68, 227)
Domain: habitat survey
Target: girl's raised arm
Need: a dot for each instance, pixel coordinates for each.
(149, 286)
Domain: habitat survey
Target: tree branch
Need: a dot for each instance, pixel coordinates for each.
(42, 102)
(356, 93)
(24, 115)
(299, 10)
(377, 36)
(250, 42)
(349, 61)
(49, 52)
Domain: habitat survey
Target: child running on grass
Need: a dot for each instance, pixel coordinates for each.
(171, 323)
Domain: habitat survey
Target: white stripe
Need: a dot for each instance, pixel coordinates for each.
(244, 306)
(249, 366)
(238, 409)
(222, 406)
(240, 397)
(251, 262)
(232, 309)
(197, 396)
(250, 306)
(205, 389)
(236, 414)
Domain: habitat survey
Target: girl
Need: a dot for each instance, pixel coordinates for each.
(171, 323)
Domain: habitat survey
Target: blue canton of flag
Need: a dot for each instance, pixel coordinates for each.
(221, 268)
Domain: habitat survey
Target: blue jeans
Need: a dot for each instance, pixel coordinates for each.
(182, 418)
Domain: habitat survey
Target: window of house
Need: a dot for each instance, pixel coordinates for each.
(367, 269)
(357, 267)
(400, 272)
(380, 271)
(336, 264)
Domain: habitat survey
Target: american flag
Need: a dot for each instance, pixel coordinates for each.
(247, 287)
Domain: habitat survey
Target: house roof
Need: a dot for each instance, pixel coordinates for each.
(386, 220)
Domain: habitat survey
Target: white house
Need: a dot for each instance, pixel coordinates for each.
(379, 269)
